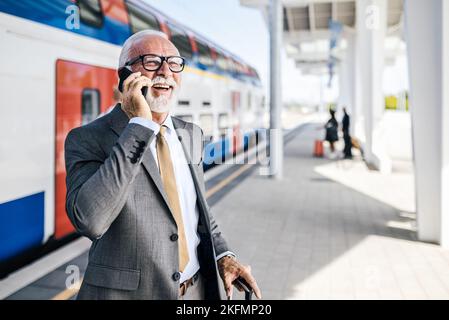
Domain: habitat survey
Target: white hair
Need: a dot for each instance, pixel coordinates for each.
(124, 54)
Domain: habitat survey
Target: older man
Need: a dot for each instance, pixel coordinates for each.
(135, 187)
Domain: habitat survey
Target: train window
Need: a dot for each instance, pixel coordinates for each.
(246, 69)
(233, 65)
(181, 41)
(183, 103)
(90, 12)
(222, 62)
(254, 74)
(90, 105)
(239, 67)
(222, 124)
(206, 104)
(185, 117)
(204, 55)
(207, 124)
(213, 53)
(140, 19)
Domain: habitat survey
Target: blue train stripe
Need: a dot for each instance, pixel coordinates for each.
(21, 225)
(53, 13)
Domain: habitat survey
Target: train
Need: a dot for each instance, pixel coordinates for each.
(58, 70)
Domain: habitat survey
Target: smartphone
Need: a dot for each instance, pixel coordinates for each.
(124, 73)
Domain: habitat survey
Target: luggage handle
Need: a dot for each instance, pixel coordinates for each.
(246, 287)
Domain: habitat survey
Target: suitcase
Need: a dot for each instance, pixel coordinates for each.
(318, 150)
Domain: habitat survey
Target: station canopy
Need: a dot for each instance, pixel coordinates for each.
(316, 31)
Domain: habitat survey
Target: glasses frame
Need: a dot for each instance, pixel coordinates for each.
(163, 58)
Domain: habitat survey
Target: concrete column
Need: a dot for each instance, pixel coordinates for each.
(345, 83)
(276, 137)
(427, 36)
(371, 31)
(358, 120)
(348, 87)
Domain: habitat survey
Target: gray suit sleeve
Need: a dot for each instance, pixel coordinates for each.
(220, 244)
(98, 184)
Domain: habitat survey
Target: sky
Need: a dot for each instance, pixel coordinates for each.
(243, 31)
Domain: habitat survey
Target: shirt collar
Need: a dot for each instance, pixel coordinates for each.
(169, 124)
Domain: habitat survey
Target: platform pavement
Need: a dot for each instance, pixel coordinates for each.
(310, 237)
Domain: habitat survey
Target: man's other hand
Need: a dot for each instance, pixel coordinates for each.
(230, 269)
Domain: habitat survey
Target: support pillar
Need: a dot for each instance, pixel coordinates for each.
(276, 137)
(427, 36)
(371, 31)
(348, 88)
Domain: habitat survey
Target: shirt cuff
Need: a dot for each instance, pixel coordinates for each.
(224, 254)
(146, 123)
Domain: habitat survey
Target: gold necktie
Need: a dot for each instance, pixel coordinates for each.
(169, 182)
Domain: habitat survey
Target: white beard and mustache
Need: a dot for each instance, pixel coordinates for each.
(162, 103)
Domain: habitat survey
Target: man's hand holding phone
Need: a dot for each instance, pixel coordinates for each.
(134, 103)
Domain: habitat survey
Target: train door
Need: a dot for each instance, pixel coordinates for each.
(82, 93)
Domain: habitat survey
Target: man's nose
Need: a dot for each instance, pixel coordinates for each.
(164, 70)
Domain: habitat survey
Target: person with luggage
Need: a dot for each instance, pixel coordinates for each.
(332, 132)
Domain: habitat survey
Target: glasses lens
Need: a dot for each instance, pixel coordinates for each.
(176, 64)
(151, 63)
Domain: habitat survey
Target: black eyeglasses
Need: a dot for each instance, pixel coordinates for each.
(152, 62)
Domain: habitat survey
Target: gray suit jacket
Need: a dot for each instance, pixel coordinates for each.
(116, 198)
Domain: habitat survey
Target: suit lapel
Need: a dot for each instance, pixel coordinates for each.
(119, 120)
(149, 163)
(186, 135)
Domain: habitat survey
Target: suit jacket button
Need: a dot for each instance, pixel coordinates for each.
(141, 143)
(174, 237)
(176, 276)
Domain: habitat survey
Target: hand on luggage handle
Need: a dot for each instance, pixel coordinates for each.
(246, 287)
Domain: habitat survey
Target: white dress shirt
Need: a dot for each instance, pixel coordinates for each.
(186, 191)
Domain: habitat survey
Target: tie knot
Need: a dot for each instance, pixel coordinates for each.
(163, 129)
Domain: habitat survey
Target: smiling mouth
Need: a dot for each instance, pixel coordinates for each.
(162, 87)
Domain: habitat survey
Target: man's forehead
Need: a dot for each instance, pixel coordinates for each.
(156, 45)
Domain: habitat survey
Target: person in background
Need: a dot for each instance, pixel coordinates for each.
(332, 132)
(347, 151)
